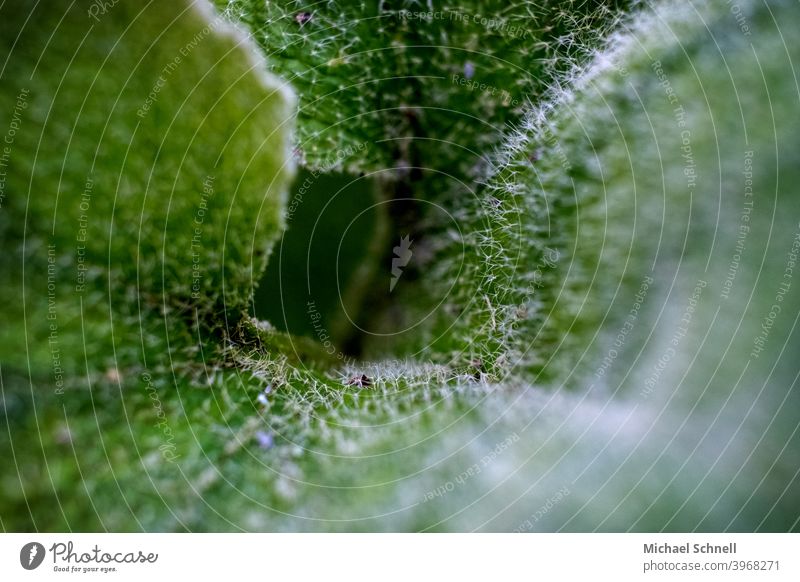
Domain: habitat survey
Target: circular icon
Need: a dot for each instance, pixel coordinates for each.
(31, 555)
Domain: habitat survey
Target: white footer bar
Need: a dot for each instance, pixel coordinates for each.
(401, 557)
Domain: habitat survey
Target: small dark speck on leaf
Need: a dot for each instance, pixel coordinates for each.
(362, 381)
(303, 17)
(477, 365)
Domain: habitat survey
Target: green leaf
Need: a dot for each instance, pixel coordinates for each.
(145, 164)
(147, 170)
